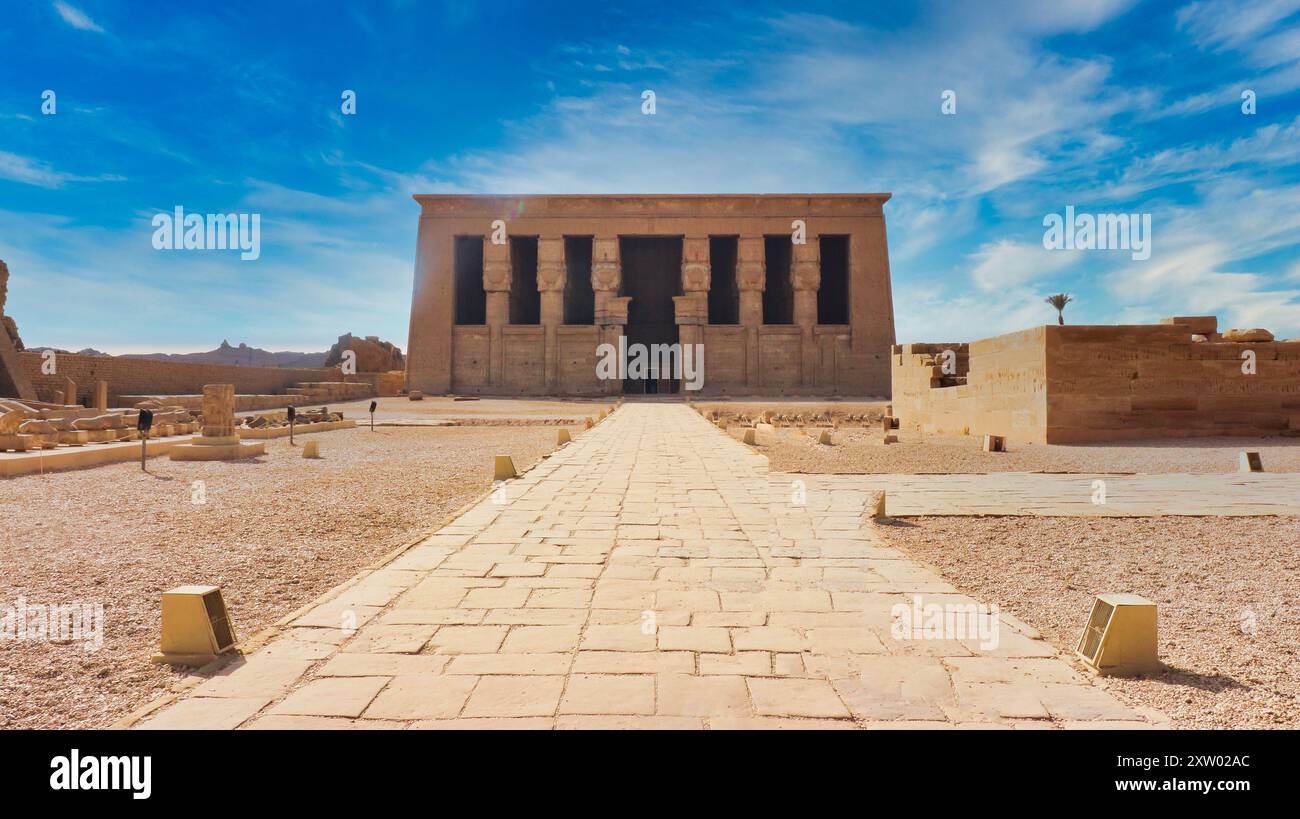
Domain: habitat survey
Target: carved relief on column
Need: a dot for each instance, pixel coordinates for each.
(695, 264)
(692, 307)
(751, 281)
(550, 264)
(611, 308)
(806, 279)
(606, 278)
(551, 277)
(606, 271)
(496, 281)
(496, 267)
(751, 273)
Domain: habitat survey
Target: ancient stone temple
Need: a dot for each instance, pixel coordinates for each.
(524, 295)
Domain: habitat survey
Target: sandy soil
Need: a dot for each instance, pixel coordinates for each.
(497, 410)
(789, 406)
(1228, 591)
(858, 451)
(274, 532)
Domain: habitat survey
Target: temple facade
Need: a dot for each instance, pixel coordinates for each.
(775, 294)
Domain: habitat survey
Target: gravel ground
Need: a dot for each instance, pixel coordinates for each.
(505, 411)
(275, 534)
(1228, 591)
(857, 451)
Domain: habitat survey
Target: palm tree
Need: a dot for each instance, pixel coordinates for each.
(1059, 301)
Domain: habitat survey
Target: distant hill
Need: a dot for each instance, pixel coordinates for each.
(243, 356)
(87, 351)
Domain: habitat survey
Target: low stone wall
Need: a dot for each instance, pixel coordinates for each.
(132, 376)
(1153, 381)
(298, 396)
(330, 392)
(388, 384)
(1004, 389)
(1079, 384)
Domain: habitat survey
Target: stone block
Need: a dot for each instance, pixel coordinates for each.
(1240, 336)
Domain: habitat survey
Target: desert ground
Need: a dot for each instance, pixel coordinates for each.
(279, 531)
(1226, 588)
(859, 451)
(275, 532)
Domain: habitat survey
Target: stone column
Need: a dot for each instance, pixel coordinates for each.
(69, 391)
(101, 396)
(496, 281)
(692, 308)
(751, 281)
(219, 411)
(806, 279)
(611, 308)
(551, 278)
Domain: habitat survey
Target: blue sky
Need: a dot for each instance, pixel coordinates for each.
(1109, 106)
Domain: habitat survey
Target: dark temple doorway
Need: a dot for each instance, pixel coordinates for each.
(652, 274)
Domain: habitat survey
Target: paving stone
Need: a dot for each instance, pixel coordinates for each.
(206, 713)
(778, 724)
(541, 639)
(626, 723)
(617, 638)
(253, 677)
(467, 639)
(332, 697)
(692, 638)
(609, 694)
(390, 639)
(369, 665)
(502, 598)
(486, 724)
(510, 664)
(289, 722)
(422, 696)
(795, 698)
(685, 696)
(630, 662)
(515, 697)
(744, 663)
(767, 638)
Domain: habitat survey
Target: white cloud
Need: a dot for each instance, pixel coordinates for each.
(30, 171)
(75, 17)
(1006, 263)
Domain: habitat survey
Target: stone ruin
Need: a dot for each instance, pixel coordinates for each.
(13, 381)
(9, 326)
(272, 420)
(37, 425)
(219, 440)
(373, 355)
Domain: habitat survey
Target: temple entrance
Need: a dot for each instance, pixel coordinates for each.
(651, 276)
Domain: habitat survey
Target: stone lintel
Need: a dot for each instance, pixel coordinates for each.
(793, 206)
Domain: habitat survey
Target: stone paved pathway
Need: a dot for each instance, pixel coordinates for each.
(651, 574)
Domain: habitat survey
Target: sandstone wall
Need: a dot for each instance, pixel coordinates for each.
(128, 376)
(1079, 384)
(745, 359)
(1112, 383)
(1004, 394)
